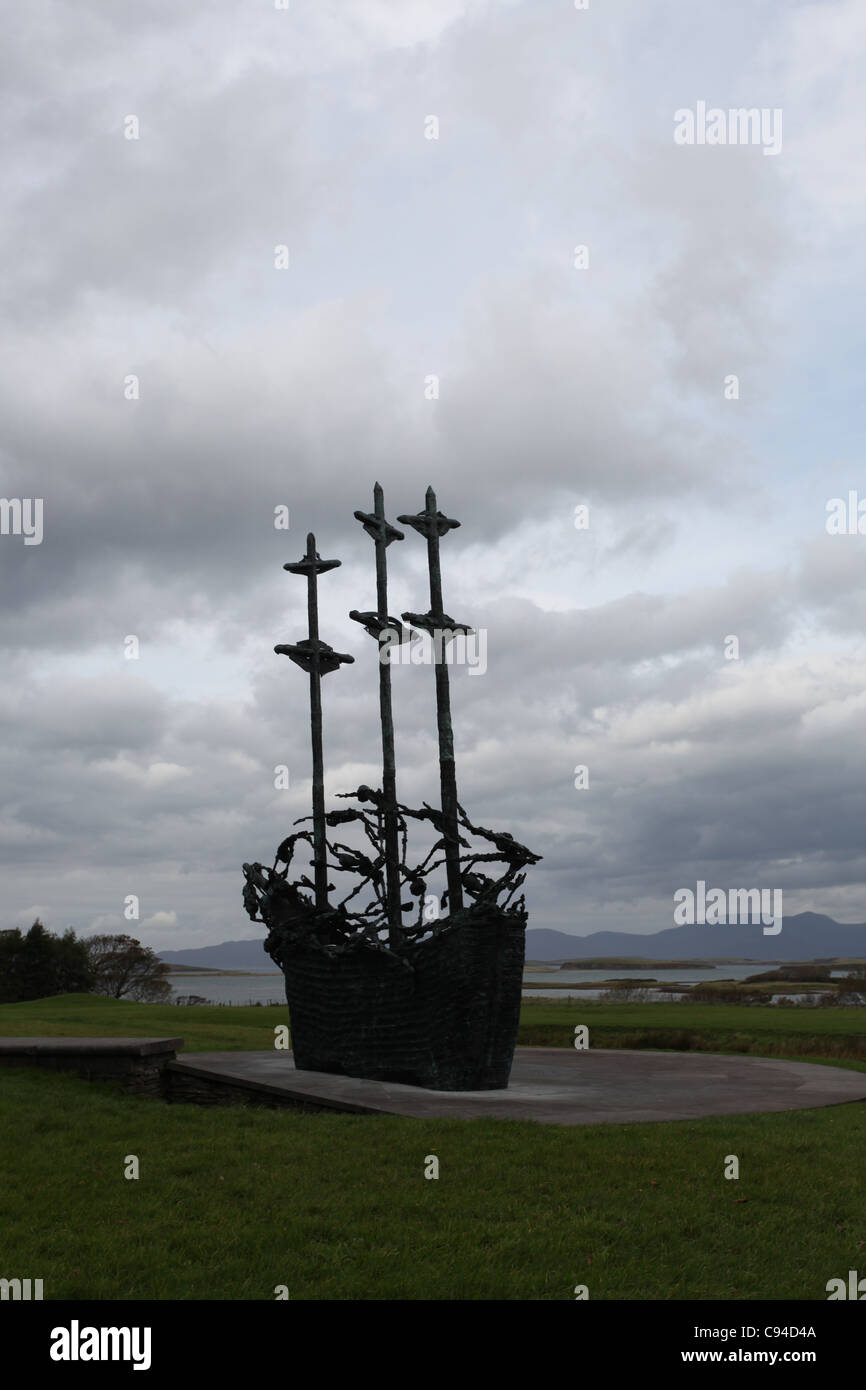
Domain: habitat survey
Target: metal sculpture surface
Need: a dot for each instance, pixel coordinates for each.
(432, 1003)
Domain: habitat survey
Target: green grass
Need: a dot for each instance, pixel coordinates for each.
(204, 1028)
(542, 1023)
(760, 1030)
(234, 1201)
(767, 1019)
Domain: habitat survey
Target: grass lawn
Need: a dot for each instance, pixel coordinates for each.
(767, 1029)
(233, 1201)
(763, 1030)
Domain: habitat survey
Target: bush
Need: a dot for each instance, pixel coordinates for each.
(626, 991)
(723, 994)
(850, 991)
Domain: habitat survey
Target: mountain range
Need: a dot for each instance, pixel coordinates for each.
(805, 936)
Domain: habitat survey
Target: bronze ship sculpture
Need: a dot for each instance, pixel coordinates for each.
(386, 991)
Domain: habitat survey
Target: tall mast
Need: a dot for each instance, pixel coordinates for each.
(433, 524)
(386, 630)
(318, 659)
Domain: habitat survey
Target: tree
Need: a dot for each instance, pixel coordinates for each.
(10, 951)
(36, 964)
(40, 964)
(123, 968)
(73, 974)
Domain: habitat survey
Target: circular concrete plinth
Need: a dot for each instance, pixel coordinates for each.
(557, 1086)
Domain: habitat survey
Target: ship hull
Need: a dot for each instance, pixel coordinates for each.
(441, 1014)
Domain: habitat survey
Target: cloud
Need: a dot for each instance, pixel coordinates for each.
(258, 387)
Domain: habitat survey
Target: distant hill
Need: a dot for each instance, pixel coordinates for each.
(542, 943)
(805, 936)
(228, 955)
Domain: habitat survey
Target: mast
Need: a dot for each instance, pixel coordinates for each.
(318, 659)
(433, 524)
(386, 630)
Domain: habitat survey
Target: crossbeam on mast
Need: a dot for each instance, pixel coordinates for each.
(317, 659)
(386, 630)
(433, 524)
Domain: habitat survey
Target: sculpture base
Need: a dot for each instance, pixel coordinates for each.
(549, 1085)
(447, 1024)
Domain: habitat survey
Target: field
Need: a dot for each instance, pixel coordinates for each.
(233, 1202)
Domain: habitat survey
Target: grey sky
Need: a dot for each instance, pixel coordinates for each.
(154, 257)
